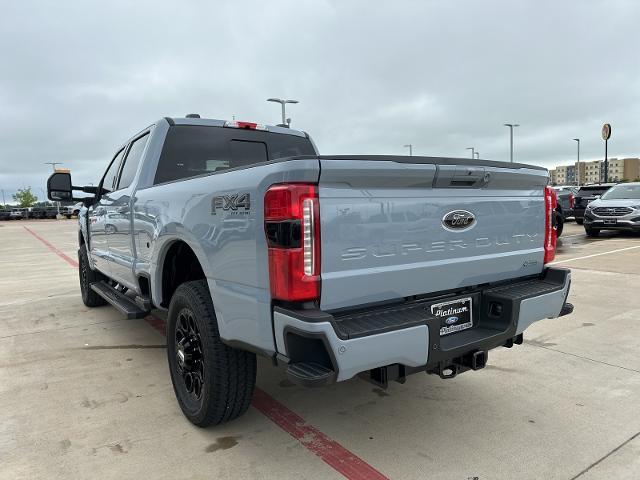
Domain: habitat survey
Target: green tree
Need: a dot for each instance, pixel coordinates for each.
(25, 198)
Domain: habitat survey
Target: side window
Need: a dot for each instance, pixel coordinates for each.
(132, 161)
(112, 172)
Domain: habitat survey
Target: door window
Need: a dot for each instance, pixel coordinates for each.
(112, 172)
(132, 161)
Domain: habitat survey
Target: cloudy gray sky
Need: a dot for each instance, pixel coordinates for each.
(78, 78)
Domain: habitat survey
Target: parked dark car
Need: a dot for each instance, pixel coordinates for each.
(51, 212)
(564, 210)
(38, 212)
(5, 215)
(586, 195)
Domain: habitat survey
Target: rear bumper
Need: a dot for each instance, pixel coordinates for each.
(408, 335)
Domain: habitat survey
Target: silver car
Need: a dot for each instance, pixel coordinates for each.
(617, 209)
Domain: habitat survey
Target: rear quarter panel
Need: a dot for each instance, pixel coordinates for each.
(229, 244)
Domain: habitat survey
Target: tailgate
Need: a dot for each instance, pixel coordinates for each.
(392, 229)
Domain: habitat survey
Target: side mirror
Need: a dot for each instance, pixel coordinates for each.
(59, 187)
(596, 196)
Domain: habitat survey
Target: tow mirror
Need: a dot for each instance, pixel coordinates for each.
(59, 187)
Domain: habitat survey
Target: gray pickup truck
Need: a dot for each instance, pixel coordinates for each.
(331, 266)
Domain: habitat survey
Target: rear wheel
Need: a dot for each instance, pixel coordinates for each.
(213, 382)
(87, 277)
(559, 224)
(592, 232)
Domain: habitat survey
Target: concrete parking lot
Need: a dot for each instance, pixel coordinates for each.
(85, 393)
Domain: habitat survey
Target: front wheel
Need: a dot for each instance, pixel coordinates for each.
(87, 277)
(592, 232)
(213, 382)
(579, 221)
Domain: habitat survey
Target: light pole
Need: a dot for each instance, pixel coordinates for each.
(282, 103)
(410, 146)
(578, 162)
(53, 164)
(3, 202)
(477, 154)
(511, 127)
(473, 151)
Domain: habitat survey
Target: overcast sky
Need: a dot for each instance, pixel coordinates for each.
(78, 78)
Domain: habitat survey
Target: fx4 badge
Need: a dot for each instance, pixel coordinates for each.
(237, 204)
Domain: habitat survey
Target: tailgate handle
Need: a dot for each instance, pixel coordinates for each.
(469, 177)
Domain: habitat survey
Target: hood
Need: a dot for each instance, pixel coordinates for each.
(615, 203)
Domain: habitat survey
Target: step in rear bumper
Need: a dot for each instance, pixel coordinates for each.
(406, 334)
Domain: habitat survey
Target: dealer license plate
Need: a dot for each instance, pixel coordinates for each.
(454, 315)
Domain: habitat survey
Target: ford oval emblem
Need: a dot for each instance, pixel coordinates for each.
(458, 220)
(451, 320)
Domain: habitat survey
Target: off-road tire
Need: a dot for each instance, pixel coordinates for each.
(228, 374)
(87, 277)
(592, 232)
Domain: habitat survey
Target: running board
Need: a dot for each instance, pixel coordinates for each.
(126, 305)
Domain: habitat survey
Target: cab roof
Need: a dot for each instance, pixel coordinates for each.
(210, 122)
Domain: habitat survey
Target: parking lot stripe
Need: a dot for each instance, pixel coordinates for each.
(329, 451)
(594, 255)
(60, 253)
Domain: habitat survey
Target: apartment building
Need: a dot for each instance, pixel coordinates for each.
(565, 175)
(624, 169)
(593, 171)
(620, 170)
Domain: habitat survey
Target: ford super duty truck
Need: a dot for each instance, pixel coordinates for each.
(332, 266)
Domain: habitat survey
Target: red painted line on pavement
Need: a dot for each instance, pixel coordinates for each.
(157, 324)
(329, 451)
(60, 253)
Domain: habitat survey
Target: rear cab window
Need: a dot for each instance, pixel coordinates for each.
(192, 150)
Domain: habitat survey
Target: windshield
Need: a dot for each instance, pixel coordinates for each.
(620, 192)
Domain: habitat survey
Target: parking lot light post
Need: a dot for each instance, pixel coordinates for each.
(511, 127)
(282, 103)
(578, 162)
(477, 154)
(410, 146)
(473, 151)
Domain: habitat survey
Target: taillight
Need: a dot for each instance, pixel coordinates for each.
(572, 200)
(292, 226)
(550, 236)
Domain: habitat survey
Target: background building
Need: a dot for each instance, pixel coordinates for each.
(593, 171)
(620, 170)
(624, 169)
